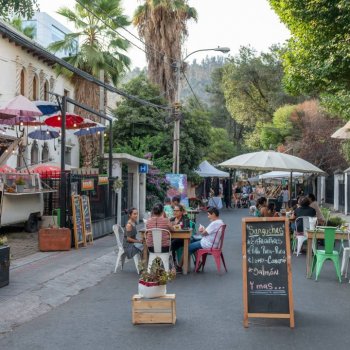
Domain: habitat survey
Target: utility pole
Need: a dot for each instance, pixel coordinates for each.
(176, 112)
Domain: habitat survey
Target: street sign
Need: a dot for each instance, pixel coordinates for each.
(143, 168)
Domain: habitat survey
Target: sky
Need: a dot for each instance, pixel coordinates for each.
(229, 23)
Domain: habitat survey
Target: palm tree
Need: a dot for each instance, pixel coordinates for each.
(162, 24)
(100, 53)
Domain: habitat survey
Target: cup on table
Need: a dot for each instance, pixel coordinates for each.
(201, 228)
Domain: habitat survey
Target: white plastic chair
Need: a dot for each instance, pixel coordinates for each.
(157, 248)
(121, 255)
(301, 237)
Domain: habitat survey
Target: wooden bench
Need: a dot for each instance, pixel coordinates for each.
(157, 310)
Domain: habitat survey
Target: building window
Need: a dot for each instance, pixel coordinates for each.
(45, 153)
(66, 93)
(34, 153)
(23, 79)
(35, 88)
(46, 91)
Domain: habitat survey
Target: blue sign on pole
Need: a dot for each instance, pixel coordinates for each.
(143, 168)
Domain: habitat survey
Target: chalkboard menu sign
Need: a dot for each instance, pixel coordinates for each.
(267, 276)
(85, 207)
(79, 234)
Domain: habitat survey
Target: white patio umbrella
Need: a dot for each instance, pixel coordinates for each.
(271, 160)
(343, 132)
(279, 175)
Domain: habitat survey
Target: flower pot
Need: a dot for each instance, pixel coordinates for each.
(4, 265)
(20, 188)
(151, 289)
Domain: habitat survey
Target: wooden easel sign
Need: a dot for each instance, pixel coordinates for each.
(267, 273)
(79, 234)
(86, 212)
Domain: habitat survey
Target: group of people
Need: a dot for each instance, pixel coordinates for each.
(169, 217)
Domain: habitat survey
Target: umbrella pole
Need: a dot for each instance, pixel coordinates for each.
(63, 203)
(290, 185)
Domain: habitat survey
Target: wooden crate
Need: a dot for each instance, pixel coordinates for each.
(157, 310)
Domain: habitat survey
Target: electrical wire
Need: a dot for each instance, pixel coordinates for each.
(195, 96)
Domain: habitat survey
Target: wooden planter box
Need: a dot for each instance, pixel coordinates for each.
(52, 239)
(4, 266)
(156, 310)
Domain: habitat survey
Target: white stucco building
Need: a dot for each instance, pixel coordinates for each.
(24, 71)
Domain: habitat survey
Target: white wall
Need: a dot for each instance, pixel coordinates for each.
(12, 60)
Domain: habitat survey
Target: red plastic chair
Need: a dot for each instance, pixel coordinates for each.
(201, 254)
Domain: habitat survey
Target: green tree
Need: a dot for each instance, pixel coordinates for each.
(162, 24)
(317, 59)
(24, 8)
(253, 90)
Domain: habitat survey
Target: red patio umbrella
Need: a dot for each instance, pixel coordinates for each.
(7, 169)
(72, 121)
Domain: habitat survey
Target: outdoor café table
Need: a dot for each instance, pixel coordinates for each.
(184, 234)
(318, 234)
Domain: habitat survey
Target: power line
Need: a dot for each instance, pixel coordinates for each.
(195, 96)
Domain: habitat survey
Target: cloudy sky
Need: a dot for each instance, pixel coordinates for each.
(232, 23)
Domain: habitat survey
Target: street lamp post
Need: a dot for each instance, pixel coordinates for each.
(177, 106)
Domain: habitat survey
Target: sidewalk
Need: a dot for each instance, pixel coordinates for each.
(42, 281)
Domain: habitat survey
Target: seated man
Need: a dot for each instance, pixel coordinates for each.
(208, 233)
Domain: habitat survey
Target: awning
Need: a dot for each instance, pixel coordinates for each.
(205, 169)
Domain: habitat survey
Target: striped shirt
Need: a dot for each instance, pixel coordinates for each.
(158, 222)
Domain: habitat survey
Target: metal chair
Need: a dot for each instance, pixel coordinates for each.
(216, 252)
(157, 234)
(121, 255)
(299, 237)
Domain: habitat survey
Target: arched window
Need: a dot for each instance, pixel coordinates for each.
(23, 79)
(34, 153)
(35, 88)
(46, 90)
(45, 153)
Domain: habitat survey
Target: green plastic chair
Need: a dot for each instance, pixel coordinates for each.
(327, 254)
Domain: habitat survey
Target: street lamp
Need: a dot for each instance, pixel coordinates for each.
(177, 105)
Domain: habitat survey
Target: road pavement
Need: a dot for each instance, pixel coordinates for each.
(209, 310)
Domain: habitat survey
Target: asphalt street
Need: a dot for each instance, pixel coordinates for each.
(209, 312)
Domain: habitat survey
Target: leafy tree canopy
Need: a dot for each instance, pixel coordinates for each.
(24, 8)
(317, 59)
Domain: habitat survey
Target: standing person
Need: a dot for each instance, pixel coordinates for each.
(131, 244)
(320, 218)
(157, 220)
(285, 197)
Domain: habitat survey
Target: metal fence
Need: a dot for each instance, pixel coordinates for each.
(101, 209)
(341, 187)
(329, 189)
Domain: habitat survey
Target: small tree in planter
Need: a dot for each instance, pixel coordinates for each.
(152, 283)
(4, 262)
(20, 183)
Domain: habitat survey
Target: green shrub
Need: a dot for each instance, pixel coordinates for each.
(335, 221)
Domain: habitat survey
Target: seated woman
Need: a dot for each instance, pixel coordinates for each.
(271, 211)
(131, 244)
(313, 204)
(157, 220)
(179, 219)
(261, 208)
(303, 209)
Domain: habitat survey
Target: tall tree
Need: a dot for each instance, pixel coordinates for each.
(24, 8)
(253, 90)
(162, 24)
(101, 50)
(317, 59)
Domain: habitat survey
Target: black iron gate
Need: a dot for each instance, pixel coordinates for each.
(329, 189)
(341, 188)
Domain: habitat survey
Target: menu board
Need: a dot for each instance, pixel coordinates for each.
(86, 217)
(79, 234)
(267, 276)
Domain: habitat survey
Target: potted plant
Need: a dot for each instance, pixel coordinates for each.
(20, 184)
(4, 261)
(152, 283)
